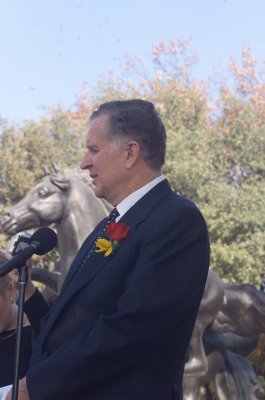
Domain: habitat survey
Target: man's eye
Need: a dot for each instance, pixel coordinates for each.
(93, 150)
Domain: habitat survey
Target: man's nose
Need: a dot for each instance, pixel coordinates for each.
(86, 162)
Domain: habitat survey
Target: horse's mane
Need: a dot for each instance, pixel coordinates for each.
(66, 173)
(77, 173)
(74, 172)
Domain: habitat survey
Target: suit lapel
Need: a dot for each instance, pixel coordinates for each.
(84, 250)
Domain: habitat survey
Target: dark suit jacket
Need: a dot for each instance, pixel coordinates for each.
(122, 324)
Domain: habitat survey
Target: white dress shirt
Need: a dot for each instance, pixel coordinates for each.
(130, 200)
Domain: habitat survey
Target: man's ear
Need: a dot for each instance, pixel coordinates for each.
(132, 153)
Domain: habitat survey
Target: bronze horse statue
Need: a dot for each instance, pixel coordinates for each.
(227, 329)
(65, 199)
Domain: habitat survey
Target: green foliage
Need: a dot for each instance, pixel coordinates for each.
(22, 153)
(215, 151)
(67, 139)
(27, 149)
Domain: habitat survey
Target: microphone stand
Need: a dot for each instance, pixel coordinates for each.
(22, 281)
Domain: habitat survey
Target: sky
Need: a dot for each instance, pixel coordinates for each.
(48, 48)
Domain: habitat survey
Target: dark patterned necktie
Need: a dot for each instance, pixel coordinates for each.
(111, 218)
(113, 215)
(102, 234)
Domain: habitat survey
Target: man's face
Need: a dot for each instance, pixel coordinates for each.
(105, 164)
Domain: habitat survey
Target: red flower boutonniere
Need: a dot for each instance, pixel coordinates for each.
(116, 232)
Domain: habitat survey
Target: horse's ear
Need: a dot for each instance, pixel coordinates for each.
(58, 177)
(46, 170)
(60, 181)
(55, 167)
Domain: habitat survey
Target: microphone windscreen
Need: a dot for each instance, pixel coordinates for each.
(46, 238)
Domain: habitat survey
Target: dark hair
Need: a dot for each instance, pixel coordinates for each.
(136, 119)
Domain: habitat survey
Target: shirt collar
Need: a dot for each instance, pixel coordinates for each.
(130, 200)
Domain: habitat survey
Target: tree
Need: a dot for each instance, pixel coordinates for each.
(215, 147)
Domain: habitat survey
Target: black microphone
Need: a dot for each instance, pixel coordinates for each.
(41, 242)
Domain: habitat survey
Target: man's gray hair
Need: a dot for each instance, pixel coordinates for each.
(136, 120)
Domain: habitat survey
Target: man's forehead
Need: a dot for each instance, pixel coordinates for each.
(96, 132)
(99, 121)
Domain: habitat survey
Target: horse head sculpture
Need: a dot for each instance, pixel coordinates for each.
(65, 199)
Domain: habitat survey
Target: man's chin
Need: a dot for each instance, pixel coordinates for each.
(98, 193)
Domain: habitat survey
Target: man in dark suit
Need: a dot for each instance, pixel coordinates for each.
(124, 318)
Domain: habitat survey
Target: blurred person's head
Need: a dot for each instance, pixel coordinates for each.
(8, 306)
